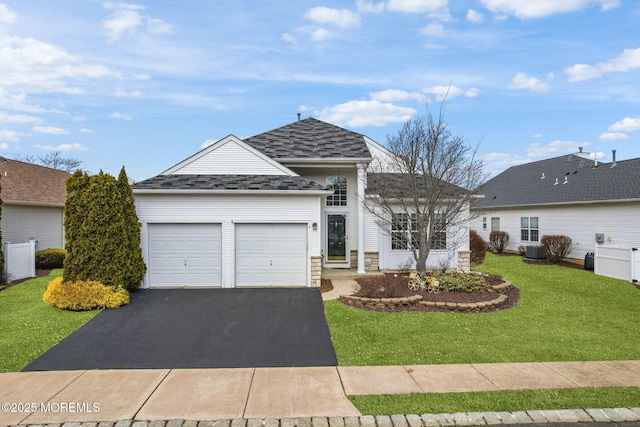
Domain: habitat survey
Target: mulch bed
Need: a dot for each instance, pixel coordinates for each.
(39, 273)
(395, 285)
(325, 285)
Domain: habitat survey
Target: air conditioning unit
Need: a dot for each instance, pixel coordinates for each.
(534, 252)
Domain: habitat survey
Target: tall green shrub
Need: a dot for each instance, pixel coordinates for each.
(134, 267)
(94, 226)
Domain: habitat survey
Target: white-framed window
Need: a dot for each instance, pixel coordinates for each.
(484, 222)
(495, 224)
(338, 184)
(529, 229)
(405, 227)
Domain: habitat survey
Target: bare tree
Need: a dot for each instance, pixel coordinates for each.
(53, 159)
(421, 195)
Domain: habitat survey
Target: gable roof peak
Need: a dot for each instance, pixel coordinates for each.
(311, 138)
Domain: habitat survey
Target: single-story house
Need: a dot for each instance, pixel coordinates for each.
(269, 210)
(33, 199)
(570, 195)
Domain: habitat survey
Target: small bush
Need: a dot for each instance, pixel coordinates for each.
(47, 259)
(478, 248)
(84, 295)
(460, 282)
(555, 247)
(499, 240)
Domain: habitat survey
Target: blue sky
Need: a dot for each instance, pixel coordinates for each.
(146, 84)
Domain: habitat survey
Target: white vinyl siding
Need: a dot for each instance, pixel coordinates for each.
(185, 255)
(620, 223)
(229, 211)
(271, 255)
(23, 222)
(232, 158)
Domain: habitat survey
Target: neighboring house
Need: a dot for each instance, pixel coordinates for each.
(269, 210)
(570, 195)
(33, 199)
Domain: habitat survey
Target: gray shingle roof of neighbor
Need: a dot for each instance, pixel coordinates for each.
(562, 180)
(229, 182)
(310, 139)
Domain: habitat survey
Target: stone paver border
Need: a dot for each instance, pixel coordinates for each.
(615, 416)
(417, 299)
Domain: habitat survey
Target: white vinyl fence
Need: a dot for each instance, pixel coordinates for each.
(19, 260)
(617, 262)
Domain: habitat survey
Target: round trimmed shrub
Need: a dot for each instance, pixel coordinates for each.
(47, 259)
(84, 295)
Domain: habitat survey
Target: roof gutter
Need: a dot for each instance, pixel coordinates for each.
(586, 202)
(28, 203)
(236, 192)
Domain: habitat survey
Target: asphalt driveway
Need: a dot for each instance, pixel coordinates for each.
(200, 328)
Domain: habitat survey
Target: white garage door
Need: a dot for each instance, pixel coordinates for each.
(184, 255)
(271, 255)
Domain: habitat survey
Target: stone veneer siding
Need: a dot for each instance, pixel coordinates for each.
(316, 271)
(464, 261)
(370, 261)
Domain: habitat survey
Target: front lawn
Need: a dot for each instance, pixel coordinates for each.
(29, 327)
(498, 401)
(563, 315)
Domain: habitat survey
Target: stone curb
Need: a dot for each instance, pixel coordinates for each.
(609, 415)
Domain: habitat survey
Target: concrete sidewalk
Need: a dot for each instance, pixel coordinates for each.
(270, 393)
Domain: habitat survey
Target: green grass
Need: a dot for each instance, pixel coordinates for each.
(563, 315)
(28, 326)
(497, 401)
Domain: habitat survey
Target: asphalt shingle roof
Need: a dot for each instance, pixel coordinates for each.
(26, 182)
(310, 138)
(395, 185)
(567, 179)
(228, 182)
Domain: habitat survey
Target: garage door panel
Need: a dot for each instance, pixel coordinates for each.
(271, 255)
(185, 255)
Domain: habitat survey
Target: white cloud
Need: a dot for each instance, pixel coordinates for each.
(34, 66)
(342, 18)
(365, 113)
(17, 118)
(85, 130)
(124, 94)
(553, 149)
(523, 81)
(542, 8)
(7, 16)
(613, 136)
(121, 116)
(449, 92)
(536, 135)
(321, 34)
(496, 163)
(50, 130)
(628, 60)
(3, 145)
(393, 95)
(473, 16)
(286, 37)
(63, 147)
(416, 6)
(434, 29)
(369, 6)
(8, 135)
(628, 124)
(158, 26)
(126, 19)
